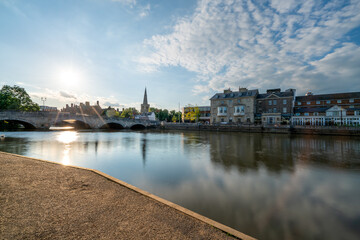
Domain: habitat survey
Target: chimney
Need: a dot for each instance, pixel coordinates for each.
(242, 89)
(97, 103)
(87, 104)
(227, 90)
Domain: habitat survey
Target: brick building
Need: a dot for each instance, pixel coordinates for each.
(274, 106)
(327, 109)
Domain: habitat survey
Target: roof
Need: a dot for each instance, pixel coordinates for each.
(328, 96)
(278, 94)
(248, 93)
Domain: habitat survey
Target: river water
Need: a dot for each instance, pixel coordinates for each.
(267, 186)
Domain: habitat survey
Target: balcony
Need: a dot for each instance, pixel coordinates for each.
(222, 114)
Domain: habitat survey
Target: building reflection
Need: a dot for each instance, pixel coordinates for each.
(276, 153)
(250, 152)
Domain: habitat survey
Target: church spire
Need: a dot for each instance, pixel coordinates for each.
(145, 98)
(145, 106)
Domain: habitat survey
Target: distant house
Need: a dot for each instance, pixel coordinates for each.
(48, 109)
(229, 106)
(327, 109)
(147, 116)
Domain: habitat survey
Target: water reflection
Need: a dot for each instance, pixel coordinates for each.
(268, 186)
(67, 138)
(143, 148)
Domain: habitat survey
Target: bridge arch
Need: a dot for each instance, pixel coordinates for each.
(137, 126)
(25, 123)
(112, 125)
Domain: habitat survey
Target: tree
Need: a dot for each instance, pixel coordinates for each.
(193, 114)
(129, 113)
(16, 98)
(165, 115)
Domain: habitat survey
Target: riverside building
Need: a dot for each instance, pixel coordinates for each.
(229, 106)
(327, 109)
(275, 106)
(203, 110)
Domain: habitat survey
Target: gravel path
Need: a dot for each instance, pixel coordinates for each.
(40, 200)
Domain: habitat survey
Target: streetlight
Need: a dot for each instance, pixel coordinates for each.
(43, 99)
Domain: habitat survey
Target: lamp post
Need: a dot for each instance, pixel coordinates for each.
(43, 99)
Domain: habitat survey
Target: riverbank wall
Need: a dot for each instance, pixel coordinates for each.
(345, 131)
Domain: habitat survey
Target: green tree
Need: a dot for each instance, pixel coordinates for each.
(129, 113)
(193, 114)
(16, 98)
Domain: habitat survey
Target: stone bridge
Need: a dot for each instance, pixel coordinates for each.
(44, 120)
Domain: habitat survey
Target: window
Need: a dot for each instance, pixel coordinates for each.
(284, 101)
(230, 102)
(299, 103)
(316, 114)
(239, 101)
(239, 110)
(270, 102)
(297, 114)
(308, 103)
(222, 102)
(222, 110)
(338, 101)
(274, 110)
(275, 102)
(317, 102)
(328, 101)
(284, 110)
(351, 100)
(306, 114)
(352, 106)
(270, 110)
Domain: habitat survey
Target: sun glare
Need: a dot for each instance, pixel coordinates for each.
(67, 137)
(69, 77)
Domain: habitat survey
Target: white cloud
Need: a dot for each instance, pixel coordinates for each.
(113, 104)
(144, 11)
(232, 43)
(66, 95)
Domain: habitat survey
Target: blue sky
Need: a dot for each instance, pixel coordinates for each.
(183, 51)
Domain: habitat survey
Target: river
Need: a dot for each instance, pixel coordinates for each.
(267, 186)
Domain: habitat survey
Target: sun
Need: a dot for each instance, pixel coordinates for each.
(69, 77)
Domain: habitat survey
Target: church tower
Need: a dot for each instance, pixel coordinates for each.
(145, 106)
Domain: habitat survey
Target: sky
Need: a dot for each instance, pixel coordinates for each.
(182, 51)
